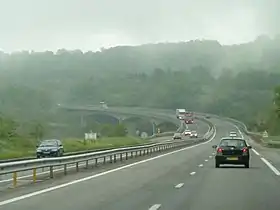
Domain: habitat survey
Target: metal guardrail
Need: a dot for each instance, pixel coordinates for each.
(84, 159)
(170, 133)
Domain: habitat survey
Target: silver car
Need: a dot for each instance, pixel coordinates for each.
(233, 134)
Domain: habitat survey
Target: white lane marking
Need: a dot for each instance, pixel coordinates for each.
(206, 160)
(179, 185)
(255, 151)
(210, 156)
(239, 131)
(271, 166)
(213, 153)
(155, 207)
(192, 173)
(201, 165)
(22, 197)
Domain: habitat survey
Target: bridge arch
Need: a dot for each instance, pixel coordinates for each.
(167, 126)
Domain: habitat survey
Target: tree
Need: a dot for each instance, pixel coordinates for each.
(7, 127)
(277, 100)
(118, 130)
(38, 131)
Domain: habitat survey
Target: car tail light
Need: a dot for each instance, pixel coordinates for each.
(245, 151)
(219, 150)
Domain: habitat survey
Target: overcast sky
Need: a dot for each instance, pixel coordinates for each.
(90, 24)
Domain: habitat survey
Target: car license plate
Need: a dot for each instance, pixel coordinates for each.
(232, 158)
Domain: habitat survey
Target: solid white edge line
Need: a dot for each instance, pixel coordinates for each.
(155, 207)
(179, 185)
(255, 151)
(271, 166)
(239, 131)
(22, 197)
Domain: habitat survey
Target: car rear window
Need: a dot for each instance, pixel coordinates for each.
(232, 143)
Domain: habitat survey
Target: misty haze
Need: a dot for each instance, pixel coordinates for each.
(181, 97)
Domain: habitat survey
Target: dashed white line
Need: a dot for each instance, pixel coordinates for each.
(210, 156)
(271, 166)
(155, 207)
(255, 151)
(201, 165)
(206, 160)
(213, 153)
(179, 185)
(192, 173)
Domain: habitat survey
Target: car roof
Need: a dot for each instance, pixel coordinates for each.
(50, 140)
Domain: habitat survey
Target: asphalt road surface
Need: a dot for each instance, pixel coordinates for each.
(183, 179)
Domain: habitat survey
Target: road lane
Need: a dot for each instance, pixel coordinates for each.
(231, 188)
(152, 184)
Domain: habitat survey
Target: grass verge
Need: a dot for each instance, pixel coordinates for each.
(19, 147)
(271, 141)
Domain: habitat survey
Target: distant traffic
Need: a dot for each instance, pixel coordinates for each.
(182, 114)
(188, 118)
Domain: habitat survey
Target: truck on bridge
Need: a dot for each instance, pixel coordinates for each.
(180, 113)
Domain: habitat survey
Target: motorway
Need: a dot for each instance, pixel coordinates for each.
(26, 176)
(183, 179)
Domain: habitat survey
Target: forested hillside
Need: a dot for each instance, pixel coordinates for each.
(236, 81)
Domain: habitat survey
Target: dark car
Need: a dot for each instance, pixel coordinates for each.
(50, 148)
(232, 151)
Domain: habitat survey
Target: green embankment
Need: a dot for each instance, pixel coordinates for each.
(272, 141)
(19, 147)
